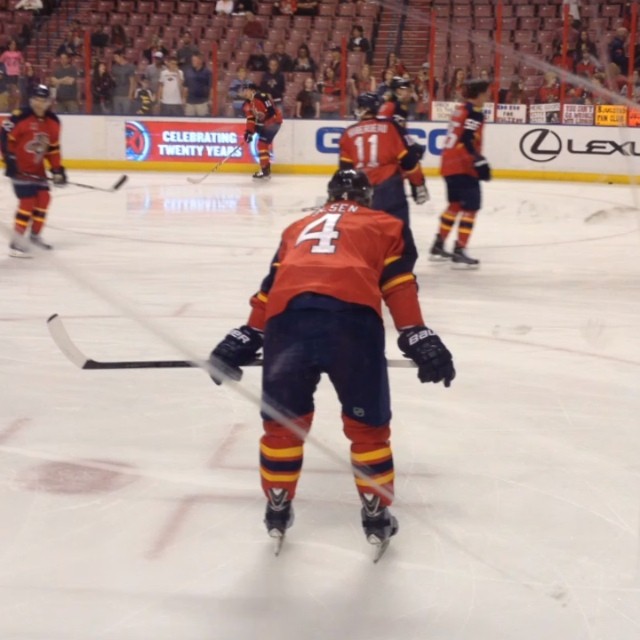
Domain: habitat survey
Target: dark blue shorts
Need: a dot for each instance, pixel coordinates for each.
(29, 189)
(345, 342)
(266, 133)
(465, 190)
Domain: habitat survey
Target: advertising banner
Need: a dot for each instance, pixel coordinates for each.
(633, 117)
(511, 113)
(611, 115)
(442, 111)
(168, 141)
(581, 114)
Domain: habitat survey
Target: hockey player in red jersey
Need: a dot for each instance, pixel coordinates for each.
(379, 147)
(28, 138)
(319, 311)
(397, 104)
(264, 120)
(463, 167)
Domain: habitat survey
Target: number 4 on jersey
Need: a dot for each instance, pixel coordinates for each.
(323, 232)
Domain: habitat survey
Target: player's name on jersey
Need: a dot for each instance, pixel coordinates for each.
(377, 127)
(197, 150)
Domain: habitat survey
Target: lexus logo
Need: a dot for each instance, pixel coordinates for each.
(540, 145)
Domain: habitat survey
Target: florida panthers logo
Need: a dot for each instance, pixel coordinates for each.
(38, 146)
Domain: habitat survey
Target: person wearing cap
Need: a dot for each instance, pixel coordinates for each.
(124, 77)
(463, 167)
(153, 71)
(28, 138)
(263, 120)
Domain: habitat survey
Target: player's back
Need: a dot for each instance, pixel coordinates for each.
(374, 146)
(456, 158)
(340, 251)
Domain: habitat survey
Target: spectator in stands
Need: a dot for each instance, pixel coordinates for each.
(595, 96)
(384, 89)
(153, 71)
(100, 38)
(170, 90)
(29, 5)
(304, 61)
(69, 45)
(186, 51)
(357, 41)
(242, 6)
(421, 88)
(144, 98)
(284, 59)
(24, 37)
(197, 87)
(615, 79)
(13, 60)
(307, 8)
(308, 101)
(257, 60)
(549, 92)
(124, 76)
(273, 82)
(236, 92)
(330, 93)
(65, 82)
(224, 7)
(285, 7)
(586, 65)
(584, 41)
(335, 60)
(4, 90)
(253, 28)
(296, 7)
(454, 91)
(27, 82)
(515, 93)
(362, 82)
(119, 38)
(617, 49)
(156, 45)
(393, 62)
(102, 85)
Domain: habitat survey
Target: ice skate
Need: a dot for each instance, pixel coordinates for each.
(437, 253)
(278, 516)
(18, 248)
(39, 242)
(461, 260)
(264, 174)
(378, 523)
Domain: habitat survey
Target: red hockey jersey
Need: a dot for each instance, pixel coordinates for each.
(261, 111)
(464, 141)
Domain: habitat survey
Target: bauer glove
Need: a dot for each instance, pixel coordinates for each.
(434, 360)
(59, 176)
(482, 168)
(248, 136)
(239, 348)
(420, 193)
(11, 166)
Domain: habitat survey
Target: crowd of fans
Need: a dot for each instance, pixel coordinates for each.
(174, 82)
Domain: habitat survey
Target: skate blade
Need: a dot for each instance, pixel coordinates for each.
(278, 536)
(381, 548)
(461, 266)
(261, 178)
(438, 259)
(19, 254)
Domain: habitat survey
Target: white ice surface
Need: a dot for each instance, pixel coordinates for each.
(130, 506)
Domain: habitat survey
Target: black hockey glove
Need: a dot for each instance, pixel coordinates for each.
(239, 347)
(482, 168)
(248, 136)
(434, 360)
(418, 149)
(420, 193)
(11, 166)
(59, 177)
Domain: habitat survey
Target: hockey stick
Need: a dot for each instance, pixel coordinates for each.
(216, 167)
(69, 349)
(121, 180)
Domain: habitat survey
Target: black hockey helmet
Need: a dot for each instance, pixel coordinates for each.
(367, 103)
(474, 87)
(348, 184)
(41, 91)
(398, 82)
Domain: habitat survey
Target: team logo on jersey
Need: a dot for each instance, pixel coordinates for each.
(38, 146)
(138, 141)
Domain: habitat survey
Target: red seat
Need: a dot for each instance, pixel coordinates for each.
(179, 20)
(126, 6)
(326, 10)
(186, 8)
(530, 24)
(158, 20)
(138, 19)
(348, 9)
(485, 24)
(550, 11)
(165, 7)
(280, 22)
(105, 6)
(370, 10)
(610, 10)
(205, 8)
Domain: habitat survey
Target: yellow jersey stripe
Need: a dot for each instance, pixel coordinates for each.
(396, 281)
(391, 259)
(291, 452)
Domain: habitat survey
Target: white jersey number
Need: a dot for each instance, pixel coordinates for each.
(365, 159)
(323, 232)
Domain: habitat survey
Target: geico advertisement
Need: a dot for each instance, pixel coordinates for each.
(559, 148)
(157, 140)
(327, 141)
